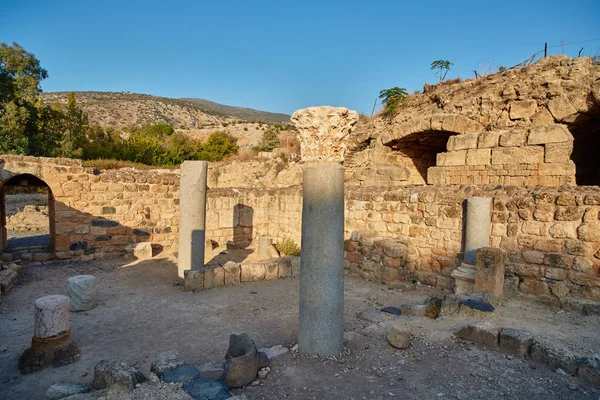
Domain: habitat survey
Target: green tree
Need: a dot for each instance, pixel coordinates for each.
(270, 139)
(218, 146)
(76, 124)
(441, 67)
(392, 98)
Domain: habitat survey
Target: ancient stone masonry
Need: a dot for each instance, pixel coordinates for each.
(528, 126)
(551, 236)
(98, 213)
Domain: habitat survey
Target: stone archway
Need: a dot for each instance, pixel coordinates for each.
(585, 129)
(20, 183)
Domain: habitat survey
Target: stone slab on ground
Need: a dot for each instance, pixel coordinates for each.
(376, 316)
(243, 361)
(555, 357)
(274, 351)
(8, 277)
(589, 370)
(141, 251)
(116, 376)
(515, 341)
(61, 390)
(181, 374)
(166, 361)
(475, 309)
(211, 370)
(483, 332)
(206, 389)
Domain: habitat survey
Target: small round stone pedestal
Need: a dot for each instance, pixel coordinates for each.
(51, 343)
(81, 290)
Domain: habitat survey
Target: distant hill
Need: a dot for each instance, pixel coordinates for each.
(246, 114)
(196, 118)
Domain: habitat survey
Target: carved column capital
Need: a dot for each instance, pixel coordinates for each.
(322, 132)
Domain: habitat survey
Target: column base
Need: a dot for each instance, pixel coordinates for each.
(55, 351)
(464, 279)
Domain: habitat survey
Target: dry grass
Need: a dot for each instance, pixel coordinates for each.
(116, 164)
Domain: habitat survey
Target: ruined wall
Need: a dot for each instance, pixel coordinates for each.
(551, 235)
(98, 213)
(528, 126)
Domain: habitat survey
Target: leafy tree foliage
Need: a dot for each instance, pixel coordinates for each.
(30, 127)
(442, 67)
(392, 99)
(270, 139)
(218, 146)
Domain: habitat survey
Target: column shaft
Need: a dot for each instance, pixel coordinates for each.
(478, 227)
(322, 264)
(192, 216)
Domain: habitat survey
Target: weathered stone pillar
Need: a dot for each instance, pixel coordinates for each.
(477, 236)
(478, 227)
(51, 343)
(192, 216)
(322, 131)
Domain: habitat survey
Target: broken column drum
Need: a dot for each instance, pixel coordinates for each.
(322, 131)
(192, 216)
(51, 343)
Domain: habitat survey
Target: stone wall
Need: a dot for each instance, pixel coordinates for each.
(551, 235)
(98, 213)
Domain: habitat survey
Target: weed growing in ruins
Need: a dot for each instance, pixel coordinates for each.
(392, 99)
(288, 247)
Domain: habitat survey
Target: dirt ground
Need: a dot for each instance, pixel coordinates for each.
(142, 311)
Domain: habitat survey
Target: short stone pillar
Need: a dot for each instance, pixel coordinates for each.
(51, 343)
(477, 236)
(265, 250)
(81, 290)
(192, 216)
(322, 131)
(489, 272)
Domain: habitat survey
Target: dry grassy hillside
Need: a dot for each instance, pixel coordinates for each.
(194, 117)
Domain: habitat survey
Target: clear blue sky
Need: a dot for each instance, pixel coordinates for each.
(283, 55)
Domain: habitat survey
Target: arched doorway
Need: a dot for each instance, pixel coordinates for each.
(586, 134)
(422, 148)
(26, 215)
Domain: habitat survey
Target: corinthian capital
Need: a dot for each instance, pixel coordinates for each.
(322, 132)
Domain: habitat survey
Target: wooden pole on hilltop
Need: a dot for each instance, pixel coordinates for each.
(545, 49)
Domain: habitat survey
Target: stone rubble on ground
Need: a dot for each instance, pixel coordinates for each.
(61, 390)
(165, 361)
(116, 376)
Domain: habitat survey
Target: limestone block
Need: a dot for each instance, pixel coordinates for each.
(483, 332)
(558, 152)
(518, 155)
(463, 142)
(589, 232)
(542, 117)
(193, 280)
(253, 271)
(116, 376)
(8, 277)
(489, 139)
(451, 158)
(522, 109)
(489, 271)
(81, 290)
(554, 357)
(232, 273)
(560, 108)
(141, 251)
(515, 341)
(165, 361)
(479, 156)
(515, 138)
(554, 133)
(60, 390)
(51, 316)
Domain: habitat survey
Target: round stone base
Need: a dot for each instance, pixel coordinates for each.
(55, 351)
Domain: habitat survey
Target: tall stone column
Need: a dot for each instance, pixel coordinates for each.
(477, 236)
(322, 131)
(192, 216)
